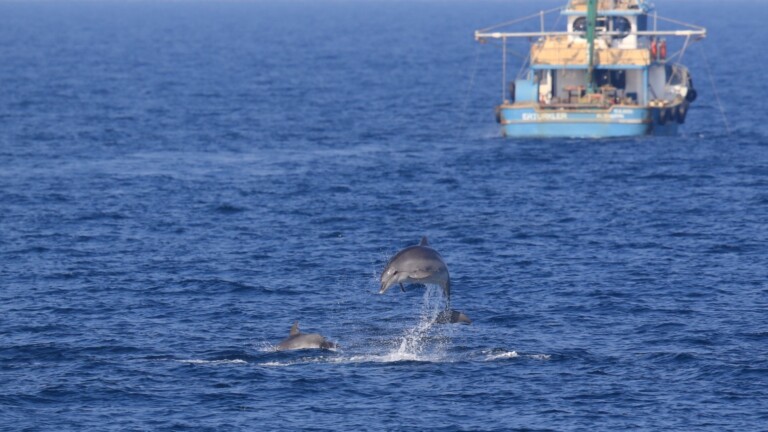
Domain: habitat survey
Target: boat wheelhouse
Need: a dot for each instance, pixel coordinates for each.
(610, 74)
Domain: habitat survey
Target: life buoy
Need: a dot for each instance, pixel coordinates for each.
(691, 95)
(654, 49)
(663, 50)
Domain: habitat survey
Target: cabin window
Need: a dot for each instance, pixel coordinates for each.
(580, 25)
(622, 25)
(617, 78)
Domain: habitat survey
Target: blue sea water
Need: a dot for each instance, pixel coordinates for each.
(181, 181)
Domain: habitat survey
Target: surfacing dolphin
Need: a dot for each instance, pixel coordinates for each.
(419, 264)
(452, 317)
(297, 340)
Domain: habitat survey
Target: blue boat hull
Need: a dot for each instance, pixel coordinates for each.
(518, 120)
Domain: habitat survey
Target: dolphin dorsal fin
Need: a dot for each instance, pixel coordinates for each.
(424, 241)
(294, 329)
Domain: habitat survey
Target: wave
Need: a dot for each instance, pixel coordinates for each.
(214, 362)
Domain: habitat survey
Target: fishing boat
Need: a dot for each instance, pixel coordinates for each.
(611, 73)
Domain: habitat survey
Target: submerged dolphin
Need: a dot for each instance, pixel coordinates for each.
(418, 264)
(297, 340)
(452, 317)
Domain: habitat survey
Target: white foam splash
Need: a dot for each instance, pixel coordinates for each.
(306, 360)
(414, 344)
(275, 364)
(213, 362)
(503, 355)
(264, 347)
(421, 343)
(391, 357)
(385, 358)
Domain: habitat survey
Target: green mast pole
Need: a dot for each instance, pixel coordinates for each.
(591, 25)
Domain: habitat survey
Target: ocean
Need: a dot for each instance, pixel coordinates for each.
(180, 181)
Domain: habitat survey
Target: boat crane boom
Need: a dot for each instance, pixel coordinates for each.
(504, 35)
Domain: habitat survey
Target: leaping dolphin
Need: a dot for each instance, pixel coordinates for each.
(297, 340)
(418, 264)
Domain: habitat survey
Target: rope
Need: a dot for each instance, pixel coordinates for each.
(468, 93)
(679, 22)
(714, 89)
(557, 22)
(523, 66)
(504, 68)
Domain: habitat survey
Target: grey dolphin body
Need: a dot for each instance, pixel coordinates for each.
(297, 340)
(452, 317)
(418, 264)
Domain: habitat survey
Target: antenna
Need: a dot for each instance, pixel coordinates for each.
(591, 24)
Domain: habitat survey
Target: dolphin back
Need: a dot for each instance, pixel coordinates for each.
(306, 341)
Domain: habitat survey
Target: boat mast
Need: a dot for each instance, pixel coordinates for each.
(591, 25)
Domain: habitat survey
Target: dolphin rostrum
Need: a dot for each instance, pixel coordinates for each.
(297, 340)
(418, 264)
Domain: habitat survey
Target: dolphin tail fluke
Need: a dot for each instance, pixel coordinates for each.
(424, 241)
(294, 329)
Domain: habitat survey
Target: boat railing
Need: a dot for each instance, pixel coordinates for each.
(575, 96)
(560, 50)
(481, 36)
(494, 32)
(606, 4)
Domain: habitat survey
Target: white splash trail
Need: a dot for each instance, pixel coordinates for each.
(414, 345)
(213, 362)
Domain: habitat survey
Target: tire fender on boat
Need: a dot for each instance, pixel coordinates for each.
(691, 95)
(662, 116)
(682, 111)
